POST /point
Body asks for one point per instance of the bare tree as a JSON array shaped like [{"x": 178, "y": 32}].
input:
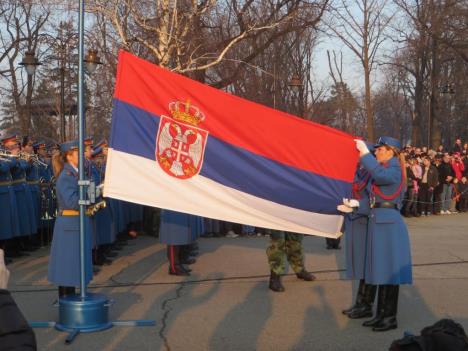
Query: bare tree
[
  {"x": 360, "y": 25},
  {"x": 23, "y": 22},
  {"x": 190, "y": 36}
]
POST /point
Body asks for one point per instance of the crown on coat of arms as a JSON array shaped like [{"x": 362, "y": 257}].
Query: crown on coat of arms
[{"x": 185, "y": 112}]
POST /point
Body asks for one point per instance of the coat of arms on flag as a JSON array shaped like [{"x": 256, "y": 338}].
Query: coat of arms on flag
[{"x": 180, "y": 143}]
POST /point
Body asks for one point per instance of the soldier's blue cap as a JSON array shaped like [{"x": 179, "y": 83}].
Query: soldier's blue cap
[
  {"x": 102, "y": 143},
  {"x": 389, "y": 141},
  {"x": 8, "y": 138},
  {"x": 69, "y": 145},
  {"x": 97, "y": 151},
  {"x": 39, "y": 145}
]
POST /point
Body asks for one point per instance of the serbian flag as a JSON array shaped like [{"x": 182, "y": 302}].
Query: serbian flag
[{"x": 181, "y": 145}]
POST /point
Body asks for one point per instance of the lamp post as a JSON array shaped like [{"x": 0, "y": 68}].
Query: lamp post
[
  {"x": 296, "y": 85},
  {"x": 446, "y": 89},
  {"x": 92, "y": 61},
  {"x": 30, "y": 63}
]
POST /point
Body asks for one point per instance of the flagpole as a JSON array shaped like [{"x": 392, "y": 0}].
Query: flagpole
[{"x": 81, "y": 132}]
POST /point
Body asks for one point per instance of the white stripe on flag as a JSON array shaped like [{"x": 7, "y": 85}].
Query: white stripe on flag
[{"x": 140, "y": 180}]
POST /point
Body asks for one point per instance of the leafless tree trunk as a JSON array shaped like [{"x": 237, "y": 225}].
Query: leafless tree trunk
[
  {"x": 23, "y": 22},
  {"x": 360, "y": 25}
]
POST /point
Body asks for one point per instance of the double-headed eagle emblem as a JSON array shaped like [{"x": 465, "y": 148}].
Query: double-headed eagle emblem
[{"x": 180, "y": 144}]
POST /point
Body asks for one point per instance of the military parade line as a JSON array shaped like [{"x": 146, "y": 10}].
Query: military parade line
[{"x": 39, "y": 194}]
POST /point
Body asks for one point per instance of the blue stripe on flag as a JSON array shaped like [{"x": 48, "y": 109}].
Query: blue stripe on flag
[{"x": 134, "y": 131}]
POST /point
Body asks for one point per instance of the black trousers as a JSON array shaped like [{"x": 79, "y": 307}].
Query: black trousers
[
  {"x": 463, "y": 204},
  {"x": 437, "y": 199},
  {"x": 424, "y": 198}
]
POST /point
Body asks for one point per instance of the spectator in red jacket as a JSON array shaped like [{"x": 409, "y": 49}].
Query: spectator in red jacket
[{"x": 458, "y": 166}]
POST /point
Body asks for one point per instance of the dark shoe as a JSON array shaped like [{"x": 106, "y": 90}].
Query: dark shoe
[
  {"x": 188, "y": 261},
  {"x": 386, "y": 324},
  {"x": 373, "y": 322},
  {"x": 363, "y": 311},
  {"x": 187, "y": 269},
  {"x": 390, "y": 308},
  {"x": 102, "y": 261},
  {"x": 178, "y": 270},
  {"x": 380, "y": 312},
  {"x": 348, "y": 310},
  {"x": 112, "y": 254},
  {"x": 359, "y": 298},
  {"x": 304, "y": 275},
  {"x": 275, "y": 283},
  {"x": 66, "y": 291}
]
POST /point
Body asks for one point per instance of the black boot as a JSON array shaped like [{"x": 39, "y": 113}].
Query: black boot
[
  {"x": 175, "y": 268},
  {"x": 275, "y": 282},
  {"x": 64, "y": 291},
  {"x": 379, "y": 313},
  {"x": 185, "y": 255},
  {"x": 99, "y": 259},
  {"x": 304, "y": 275},
  {"x": 389, "y": 321},
  {"x": 367, "y": 301},
  {"x": 359, "y": 298}
]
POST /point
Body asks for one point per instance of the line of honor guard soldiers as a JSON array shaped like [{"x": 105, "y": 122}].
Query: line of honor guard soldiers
[
  {"x": 29, "y": 205},
  {"x": 28, "y": 196}
]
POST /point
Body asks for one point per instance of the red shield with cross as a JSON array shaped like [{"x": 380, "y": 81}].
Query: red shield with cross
[{"x": 180, "y": 144}]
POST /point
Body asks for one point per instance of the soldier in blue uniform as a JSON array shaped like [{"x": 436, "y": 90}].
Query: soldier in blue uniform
[
  {"x": 8, "y": 214},
  {"x": 64, "y": 261},
  {"x": 104, "y": 218},
  {"x": 32, "y": 180},
  {"x": 177, "y": 230},
  {"x": 355, "y": 235},
  {"x": 47, "y": 208},
  {"x": 388, "y": 255},
  {"x": 22, "y": 191},
  {"x": 101, "y": 222}
]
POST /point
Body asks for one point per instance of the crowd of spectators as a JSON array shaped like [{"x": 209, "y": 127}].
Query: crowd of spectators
[
  {"x": 436, "y": 180},
  {"x": 437, "y": 184}
]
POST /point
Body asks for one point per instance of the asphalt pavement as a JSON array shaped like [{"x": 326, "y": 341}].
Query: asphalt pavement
[{"x": 226, "y": 305}]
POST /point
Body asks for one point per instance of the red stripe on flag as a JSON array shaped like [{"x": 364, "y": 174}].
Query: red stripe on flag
[{"x": 267, "y": 132}]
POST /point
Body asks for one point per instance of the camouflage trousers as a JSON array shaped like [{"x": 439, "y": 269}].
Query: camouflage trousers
[{"x": 284, "y": 245}]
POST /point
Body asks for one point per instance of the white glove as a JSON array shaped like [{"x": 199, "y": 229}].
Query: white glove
[
  {"x": 351, "y": 202},
  {"x": 362, "y": 147},
  {"x": 4, "y": 272},
  {"x": 344, "y": 209}
]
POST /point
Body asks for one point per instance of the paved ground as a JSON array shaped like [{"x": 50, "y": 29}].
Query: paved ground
[{"x": 226, "y": 305}]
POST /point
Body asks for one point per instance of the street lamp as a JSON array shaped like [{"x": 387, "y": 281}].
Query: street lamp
[
  {"x": 30, "y": 62},
  {"x": 295, "y": 84},
  {"x": 92, "y": 60}
]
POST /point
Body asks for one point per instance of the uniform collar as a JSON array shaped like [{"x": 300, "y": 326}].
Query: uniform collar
[{"x": 71, "y": 168}]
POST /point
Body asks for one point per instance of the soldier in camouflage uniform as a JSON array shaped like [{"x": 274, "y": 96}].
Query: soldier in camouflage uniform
[{"x": 285, "y": 245}]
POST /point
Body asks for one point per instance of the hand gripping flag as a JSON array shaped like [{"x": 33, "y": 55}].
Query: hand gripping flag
[{"x": 181, "y": 145}]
